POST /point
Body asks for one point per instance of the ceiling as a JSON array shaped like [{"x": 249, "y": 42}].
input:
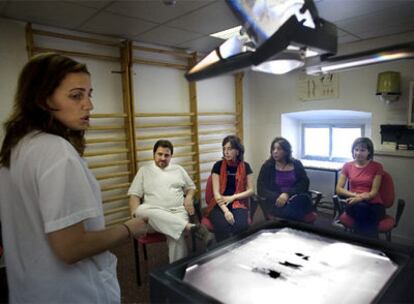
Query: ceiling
[{"x": 188, "y": 23}]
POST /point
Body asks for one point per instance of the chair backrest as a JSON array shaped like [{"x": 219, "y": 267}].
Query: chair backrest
[
  {"x": 386, "y": 190},
  {"x": 209, "y": 194}
]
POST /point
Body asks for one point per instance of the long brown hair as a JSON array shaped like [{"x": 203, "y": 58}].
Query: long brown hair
[
  {"x": 38, "y": 80},
  {"x": 285, "y": 145}
]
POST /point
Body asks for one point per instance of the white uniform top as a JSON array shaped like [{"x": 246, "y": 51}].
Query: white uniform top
[
  {"x": 161, "y": 187},
  {"x": 49, "y": 187}
]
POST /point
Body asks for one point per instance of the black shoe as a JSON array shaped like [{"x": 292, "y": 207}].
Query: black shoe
[{"x": 202, "y": 233}]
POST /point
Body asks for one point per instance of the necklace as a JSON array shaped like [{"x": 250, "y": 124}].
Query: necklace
[{"x": 280, "y": 166}]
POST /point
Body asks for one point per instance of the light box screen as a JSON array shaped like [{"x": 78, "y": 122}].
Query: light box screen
[{"x": 292, "y": 266}]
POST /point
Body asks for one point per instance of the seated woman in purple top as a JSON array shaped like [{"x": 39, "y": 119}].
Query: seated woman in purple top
[{"x": 283, "y": 183}]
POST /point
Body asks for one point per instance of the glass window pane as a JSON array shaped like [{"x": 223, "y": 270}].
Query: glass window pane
[
  {"x": 342, "y": 139},
  {"x": 316, "y": 142}
]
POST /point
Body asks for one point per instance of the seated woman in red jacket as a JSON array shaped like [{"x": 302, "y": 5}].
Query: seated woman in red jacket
[
  {"x": 364, "y": 175},
  {"x": 232, "y": 184},
  {"x": 283, "y": 183}
]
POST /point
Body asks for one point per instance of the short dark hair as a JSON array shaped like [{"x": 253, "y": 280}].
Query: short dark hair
[
  {"x": 164, "y": 144},
  {"x": 236, "y": 144},
  {"x": 366, "y": 142},
  {"x": 286, "y": 146}
]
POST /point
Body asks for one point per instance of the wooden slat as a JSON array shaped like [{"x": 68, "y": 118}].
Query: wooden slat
[
  {"x": 216, "y": 113},
  {"x": 160, "y": 63},
  {"x": 164, "y": 125},
  {"x": 162, "y": 51},
  {"x": 186, "y": 164},
  {"x": 165, "y": 135},
  {"x": 76, "y": 38},
  {"x": 76, "y": 54},
  {"x": 216, "y": 123},
  {"x": 105, "y": 164},
  {"x": 109, "y": 115},
  {"x": 209, "y": 142},
  {"x": 206, "y": 132},
  {"x": 238, "y": 84},
  {"x": 116, "y": 210},
  {"x": 106, "y": 128},
  {"x": 117, "y": 221},
  {"x": 105, "y": 152},
  {"x": 115, "y": 198},
  {"x": 205, "y": 151},
  {"x": 149, "y": 148},
  {"x": 112, "y": 175},
  {"x": 163, "y": 114},
  {"x": 105, "y": 140},
  {"x": 116, "y": 186},
  {"x": 29, "y": 40}
]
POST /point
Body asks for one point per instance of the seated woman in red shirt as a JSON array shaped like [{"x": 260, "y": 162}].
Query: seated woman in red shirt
[{"x": 364, "y": 176}]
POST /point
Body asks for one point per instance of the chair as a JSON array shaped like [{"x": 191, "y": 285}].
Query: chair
[
  {"x": 309, "y": 218},
  {"x": 387, "y": 193},
  {"x": 152, "y": 238}
]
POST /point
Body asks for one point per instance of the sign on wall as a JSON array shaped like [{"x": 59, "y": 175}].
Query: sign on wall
[{"x": 318, "y": 87}]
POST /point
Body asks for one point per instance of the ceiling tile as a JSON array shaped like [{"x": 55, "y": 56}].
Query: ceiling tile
[
  {"x": 207, "y": 20},
  {"x": 155, "y": 10},
  {"x": 167, "y": 36},
  {"x": 204, "y": 45},
  {"x": 398, "y": 18},
  {"x": 65, "y": 15},
  {"x": 94, "y": 4},
  {"x": 334, "y": 10},
  {"x": 113, "y": 24}
]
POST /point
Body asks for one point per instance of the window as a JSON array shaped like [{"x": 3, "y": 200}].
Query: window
[{"x": 329, "y": 142}]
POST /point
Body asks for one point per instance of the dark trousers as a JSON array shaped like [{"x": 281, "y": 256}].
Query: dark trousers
[
  {"x": 295, "y": 209},
  {"x": 222, "y": 229},
  {"x": 366, "y": 217}
]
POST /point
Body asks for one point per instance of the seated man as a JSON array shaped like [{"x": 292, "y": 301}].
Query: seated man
[{"x": 166, "y": 192}]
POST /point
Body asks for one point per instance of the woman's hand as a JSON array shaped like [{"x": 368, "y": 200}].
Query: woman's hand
[
  {"x": 281, "y": 200},
  {"x": 225, "y": 200},
  {"x": 137, "y": 226},
  {"x": 354, "y": 199},
  {"x": 229, "y": 217},
  {"x": 365, "y": 196}
]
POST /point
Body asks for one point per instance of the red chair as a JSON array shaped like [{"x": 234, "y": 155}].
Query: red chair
[
  {"x": 388, "y": 223},
  {"x": 152, "y": 238}
]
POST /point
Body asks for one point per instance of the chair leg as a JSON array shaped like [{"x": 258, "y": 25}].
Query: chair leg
[
  {"x": 144, "y": 247},
  {"x": 137, "y": 266},
  {"x": 194, "y": 243},
  {"x": 388, "y": 236}
]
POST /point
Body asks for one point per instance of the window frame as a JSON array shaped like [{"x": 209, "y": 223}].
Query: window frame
[{"x": 331, "y": 126}]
